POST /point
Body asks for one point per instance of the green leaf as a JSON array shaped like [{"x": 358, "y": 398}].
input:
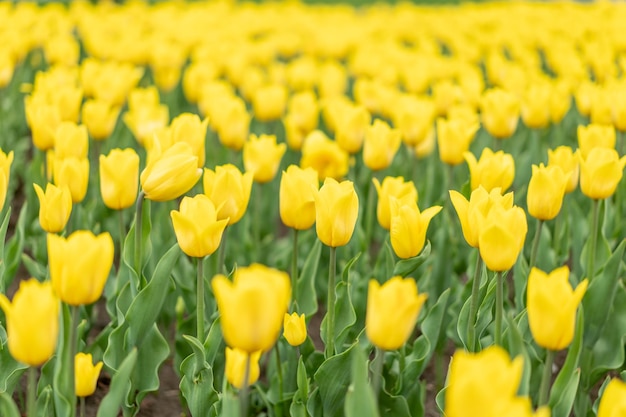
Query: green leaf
[
  {"x": 298, "y": 403},
  {"x": 34, "y": 268},
  {"x": 517, "y": 347},
  {"x": 8, "y": 408},
  {"x": 307, "y": 296},
  {"x": 153, "y": 351},
  {"x": 383, "y": 269},
  {"x": 196, "y": 383},
  {"x": 3, "y": 234},
  {"x": 45, "y": 403},
  {"x": 63, "y": 390},
  {"x": 360, "y": 401},
  {"x": 14, "y": 249},
  {"x": 10, "y": 370},
  {"x": 120, "y": 385},
  {"x": 129, "y": 246},
  {"x": 213, "y": 342},
  {"x": 405, "y": 267},
  {"x": 333, "y": 378},
  {"x": 603, "y": 249}
]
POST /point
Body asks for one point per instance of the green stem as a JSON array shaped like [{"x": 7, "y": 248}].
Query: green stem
[
  {"x": 499, "y": 307},
  {"x": 71, "y": 354},
  {"x": 330, "y": 305},
  {"x": 31, "y": 392},
  {"x": 256, "y": 221},
  {"x": 122, "y": 231},
  {"x": 200, "y": 301},
  {"x": 471, "y": 324},
  {"x": 221, "y": 254},
  {"x": 279, "y": 369},
  {"x": 138, "y": 240},
  {"x": 82, "y": 406},
  {"x": 535, "y": 247},
  {"x": 546, "y": 378},
  {"x": 244, "y": 394},
  {"x": 294, "y": 267},
  {"x": 591, "y": 255},
  {"x": 377, "y": 371},
  {"x": 369, "y": 213}
]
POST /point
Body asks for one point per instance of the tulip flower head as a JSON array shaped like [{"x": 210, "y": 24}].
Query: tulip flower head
[
  {"x": 546, "y": 191},
  {"x": 381, "y": 145},
  {"x": 6, "y": 160},
  {"x": 500, "y": 113},
  {"x": 189, "y": 128},
  {"x": 324, "y": 155},
  {"x": 100, "y": 118},
  {"x": 336, "y": 212},
  {"x": 55, "y": 207},
  {"x": 501, "y": 237},
  {"x": 236, "y": 367},
  {"x": 492, "y": 170},
  {"x": 297, "y": 197},
  {"x": 86, "y": 374},
  {"x": 392, "y": 187},
  {"x": 595, "y": 136},
  {"x": 261, "y": 157},
  {"x": 294, "y": 329},
  {"x": 567, "y": 159},
  {"x": 535, "y": 106},
  {"x": 600, "y": 172},
  {"x": 72, "y": 173},
  {"x": 71, "y": 140},
  {"x": 454, "y": 137},
  {"x": 269, "y": 102},
  {"x": 613, "y": 401},
  {"x": 352, "y": 125},
  {"x": 408, "y": 227},
  {"x": 119, "y": 178},
  {"x": 229, "y": 190}
]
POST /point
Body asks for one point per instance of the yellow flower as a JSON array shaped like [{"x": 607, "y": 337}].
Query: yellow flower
[
  {"x": 100, "y": 118},
  {"x": 324, "y": 155},
  {"x": 79, "y": 265},
  {"x": 235, "y": 367},
  {"x": 294, "y": 329},
  {"x": 297, "y": 197},
  {"x": 352, "y": 124},
  {"x": 55, "y": 207},
  {"x": 303, "y": 109},
  {"x": 560, "y": 101},
  {"x": 144, "y": 121},
  {"x": 72, "y": 173},
  {"x": 454, "y": 137},
  {"x": 189, "y": 128},
  {"x": 552, "y": 305},
  {"x": 601, "y": 172},
  {"x": 408, "y": 227},
  {"x": 261, "y": 157},
  {"x": 119, "y": 178},
  {"x": 234, "y": 125},
  {"x": 392, "y": 311},
  {"x": 43, "y": 119},
  {"x": 86, "y": 374},
  {"x": 392, "y": 187},
  {"x": 229, "y": 190},
  {"x": 414, "y": 117},
  {"x": 32, "y": 322},
  {"x": 252, "y": 306},
  {"x": 427, "y": 146},
  {"x": 500, "y": 112},
  {"x": 546, "y": 191},
  {"x": 492, "y": 170},
  {"x": 567, "y": 159},
  {"x": 613, "y": 402},
  {"x": 71, "y": 140},
  {"x": 501, "y": 237},
  {"x": 380, "y": 145},
  {"x": 171, "y": 174},
  {"x": 6, "y": 160},
  {"x": 7, "y": 65},
  {"x": 336, "y": 212},
  {"x": 197, "y": 229},
  {"x": 269, "y": 102},
  {"x": 595, "y": 136},
  {"x": 473, "y": 212},
  {"x": 536, "y": 105}
]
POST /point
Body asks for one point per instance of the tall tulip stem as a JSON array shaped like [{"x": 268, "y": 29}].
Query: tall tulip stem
[
  {"x": 244, "y": 394},
  {"x": 544, "y": 388},
  {"x": 221, "y": 254},
  {"x": 31, "y": 392},
  {"x": 471, "y": 324},
  {"x": 82, "y": 406},
  {"x": 330, "y": 305},
  {"x": 279, "y": 370},
  {"x": 122, "y": 231},
  {"x": 369, "y": 213},
  {"x": 535, "y": 247},
  {"x": 294, "y": 267},
  {"x": 377, "y": 371},
  {"x": 591, "y": 253},
  {"x": 70, "y": 352},
  {"x": 200, "y": 301},
  {"x": 499, "y": 307},
  {"x": 138, "y": 233}
]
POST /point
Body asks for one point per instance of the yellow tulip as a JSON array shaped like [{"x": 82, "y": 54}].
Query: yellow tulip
[
  {"x": 71, "y": 140},
  {"x": 546, "y": 191},
  {"x": 567, "y": 159},
  {"x": 324, "y": 155},
  {"x": 235, "y": 367},
  {"x": 269, "y": 102},
  {"x": 303, "y": 108},
  {"x": 613, "y": 401},
  {"x": 454, "y": 137},
  {"x": 560, "y": 101},
  {"x": 601, "y": 107},
  {"x": 297, "y": 197},
  {"x": 261, "y": 157},
  {"x": 43, "y": 119},
  {"x": 392, "y": 311},
  {"x": 32, "y": 322},
  {"x": 351, "y": 127},
  {"x": 500, "y": 112},
  {"x": 189, "y": 128},
  {"x": 294, "y": 329},
  {"x": 72, "y": 173},
  {"x": 427, "y": 146},
  {"x": 171, "y": 174},
  {"x": 85, "y": 374},
  {"x": 6, "y": 160},
  {"x": 408, "y": 227},
  {"x": 552, "y": 305},
  {"x": 492, "y": 170},
  {"x": 79, "y": 265},
  {"x": 55, "y": 207},
  {"x": 600, "y": 172},
  {"x": 618, "y": 113},
  {"x": 294, "y": 135},
  {"x": 336, "y": 212},
  {"x": 100, "y": 118},
  {"x": 535, "y": 106},
  {"x": 414, "y": 117},
  {"x": 252, "y": 306},
  {"x": 229, "y": 190},
  {"x": 501, "y": 237},
  {"x": 234, "y": 125},
  {"x": 7, "y": 65},
  {"x": 197, "y": 229},
  {"x": 392, "y": 187},
  {"x": 595, "y": 136},
  {"x": 144, "y": 121},
  {"x": 380, "y": 145},
  {"x": 119, "y": 178}
]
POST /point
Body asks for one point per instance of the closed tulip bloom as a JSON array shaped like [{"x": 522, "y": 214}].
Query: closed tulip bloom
[
  {"x": 100, "y": 118},
  {"x": 297, "y": 197},
  {"x": 197, "y": 229},
  {"x": 234, "y": 126},
  {"x": 85, "y": 374},
  {"x": 500, "y": 112},
  {"x": 72, "y": 173},
  {"x": 189, "y": 128},
  {"x": 229, "y": 190},
  {"x": 325, "y": 156},
  {"x": 43, "y": 119},
  {"x": 560, "y": 101},
  {"x": 6, "y": 160},
  {"x": 235, "y": 367},
  {"x": 454, "y": 137},
  {"x": 79, "y": 265},
  {"x": 414, "y": 117},
  {"x": 119, "y": 178},
  {"x": 71, "y": 140},
  {"x": 408, "y": 227},
  {"x": 294, "y": 329},
  {"x": 472, "y": 212},
  {"x": 144, "y": 121},
  {"x": 304, "y": 109},
  {"x": 600, "y": 173},
  {"x": 595, "y": 136},
  {"x": 351, "y": 127},
  {"x": 380, "y": 145},
  {"x": 613, "y": 401},
  {"x": 535, "y": 107},
  {"x": 567, "y": 159},
  {"x": 392, "y": 187},
  {"x": 426, "y": 147},
  {"x": 261, "y": 157},
  {"x": 336, "y": 212},
  {"x": 55, "y": 207},
  {"x": 32, "y": 322},
  {"x": 492, "y": 170},
  {"x": 392, "y": 311},
  {"x": 546, "y": 191},
  {"x": 552, "y": 305},
  {"x": 501, "y": 237},
  {"x": 269, "y": 102},
  {"x": 172, "y": 174},
  {"x": 252, "y": 306}
]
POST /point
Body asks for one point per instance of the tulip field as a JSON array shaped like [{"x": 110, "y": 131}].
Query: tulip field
[{"x": 221, "y": 208}]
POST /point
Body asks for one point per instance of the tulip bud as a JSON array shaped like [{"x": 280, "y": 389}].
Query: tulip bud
[
  {"x": 536, "y": 105},
  {"x": 80, "y": 265},
  {"x": 234, "y": 125},
  {"x": 100, "y": 118},
  {"x": 501, "y": 237},
  {"x": 492, "y": 170},
  {"x": 304, "y": 109},
  {"x": 119, "y": 178},
  {"x": 72, "y": 173},
  {"x": 545, "y": 191},
  {"x": 380, "y": 146},
  {"x": 613, "y": 401},
  {"x": 567, "y": 159},
  {"x": 261, "y": 157},
  {"x": 85, "y": 374},
  {"x": 269, "y": 102},
  {"x": 55, "y": 207},
  {"x": 595, "y": 136},
  {"x": 414, "y": 117},
  {"x": 236, "y": 367},
  {"x": 189, "y": 128},
  {"x": 336, "y": 212},
  {"x": 71, "y": 140},
  {"x": 392, "y": 187},
  {"x": 408, "y": 227},
  {"x": 297, "y": 197},
  {"x": 351, "y": 127},
  {"x": 600, "y": 172},
  {"x": 454, "y": 137},
  {"x": 229, "y": 190},
  {"x": 294, "y": 329},
  {"x": 324, "y": 155},
  {"x": 392, "y": 311},
  {"x": 144, "y": 121},
  {"x": 500, "y": 113},
  {"x": 32, "y": 322},
  {"x": 43, "y": 119},
  {"x": 6, "y": 160}
]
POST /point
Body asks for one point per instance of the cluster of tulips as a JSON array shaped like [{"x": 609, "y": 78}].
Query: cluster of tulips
[{"x": 232, "y": 129}]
